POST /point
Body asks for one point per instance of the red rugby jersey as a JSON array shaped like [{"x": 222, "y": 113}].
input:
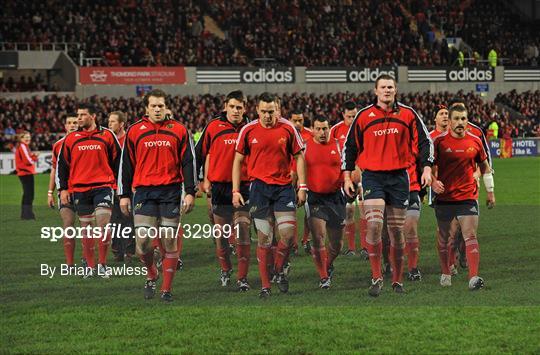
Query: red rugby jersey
[
  {"x": 157, "y": 154},
  {"x": 121, "y": 140},
  {"x": 477, "y": 131},
  {"x": 456, "y": 160},
  {"x": 219, "y": 140},
  {"x": 434, "y": 134},
  {"x": 382, "y": 140},
  {"x": 339, "y": 131},
  {"x": 306, "y": 134},
  {"x": 88, "y": 160},
  {"x": 323, "y": 166},
  {"x": 269, "y": 151},
  {"x": 25, "y": 160},
  {"x": 56, "y": 151}
]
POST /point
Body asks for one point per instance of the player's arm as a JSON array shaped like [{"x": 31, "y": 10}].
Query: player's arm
[
  {"x": 425, "y": 150},
  {"x": 207, "y": 185},
  {"x": 489, "y": 183},
  {"x": 189, "y": 172},
  {"x": 62, "y": 172},
  {"x": 52, "y": 185},
  {"x": 301, "y": 174},
  {"x": 125, "y": 175},
  {"x": 351, "y": 149},
  {"x": 237, "y": 199},
  {"x": 202, "y": 149}
]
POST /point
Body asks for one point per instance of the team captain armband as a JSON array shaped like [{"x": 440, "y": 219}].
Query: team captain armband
[{"x": 489, "y": 183}]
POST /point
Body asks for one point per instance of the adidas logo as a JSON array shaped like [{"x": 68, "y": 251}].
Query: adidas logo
[
  {"x": 77, "y": 135},
  {"x": 107, "y": 198},
  {"x": 406, "y": 203},
  {"x": 342, "y": 136},
  {"x": 448, "y": 150},
  {"x": 143, "y": 127},
  {"x": 291, "y": 204},
  {"x": 415, "y": 205},
  {"x": 333, "y": 152},
  {"x": 371, "y": 114},
  {"x": 254, "y": 141},
  {"x": 473, "y": 209}
]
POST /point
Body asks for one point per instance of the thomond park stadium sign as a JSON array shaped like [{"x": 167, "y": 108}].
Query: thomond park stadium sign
[
  {"x": 348, "y": 75},
  {"x": 278, "y": 75}
]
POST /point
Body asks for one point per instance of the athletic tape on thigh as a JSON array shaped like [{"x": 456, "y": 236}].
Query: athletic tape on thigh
[
  {"x": 284, "y": 222},
  {"x": 375, "y": 215},
  {"x": 392, "y": 222},
  {"x": 413, "y": 213},
  {"x": 168, "y": 223},
  {"x": 102, "y": 211},
  {"x": 263, "y": 226},
  {"x": 86, "y": 218}
]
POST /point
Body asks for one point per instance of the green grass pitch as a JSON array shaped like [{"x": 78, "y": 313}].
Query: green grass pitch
[{"x": 71, "y": 315}]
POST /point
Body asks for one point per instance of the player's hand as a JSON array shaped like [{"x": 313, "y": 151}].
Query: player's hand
[
  {"x": 50, "y": 201},
  {"x": 206, "y": 186},
  {"x": 426, "y": 179},
  {"x": 237, "y": 200},
  {"x": 490, "y": 200},
  {"x": 64, "y": 197},
  {"x": 348, "y": 187},
  {"x": 437, "y": 186},
  {"x": 188, "y": 204},
  {"x": 125, "y": 206},
  {"x": 301, "y": 197}
]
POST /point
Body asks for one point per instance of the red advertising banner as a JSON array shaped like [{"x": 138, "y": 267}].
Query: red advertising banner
[{"x": 132, "y": 75}]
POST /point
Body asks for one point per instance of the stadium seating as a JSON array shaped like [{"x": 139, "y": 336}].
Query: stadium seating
[
  {"x": 301, "y": 33},
  {"x": 43, "y": 117}
]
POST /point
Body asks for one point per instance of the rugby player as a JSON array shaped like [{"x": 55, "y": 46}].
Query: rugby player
[
  {"x": 297, "y": 119},
  {"x": 325, "y": 206},
  {"x": 121, "y": 248},
  {"x": 457, "y": 154},
  {"x": 382, "y": 139},
  {"x": 269, "y": 144},
  {"x": 457, "y": 245},
  {"x": 339, "y": 131},
  {"x": 215, "y": 151},
  {"x": 67, "y": 212},
  {"x": 157, "y": 160},
  {"x": 86, "y": 174}
]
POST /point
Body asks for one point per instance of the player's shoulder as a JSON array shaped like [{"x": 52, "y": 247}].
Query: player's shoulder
[
  {"x": 59, "y": 142},
  {"x": 285, "y": 123},
  {"x": 475, "y": 129},
  {"x": 406, "y": 109},
  {"x": 441, "y": 137},
  {"x": 473, "y": 137}
]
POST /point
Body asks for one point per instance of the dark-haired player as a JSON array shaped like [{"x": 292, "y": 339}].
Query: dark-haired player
[
  {"x": 297, "y": 119},
  {"x": 215, "y": 152},
  {"x": 269, "y": 144},
  {"x": 325, "y": 206},
  {"x": 87, "y": 167},
  {"x": 157, "y": 160},
  {"x": 67, "y": 212},
  {"x": 457, "y": 154},
  {"x": 339, "y": 131}
]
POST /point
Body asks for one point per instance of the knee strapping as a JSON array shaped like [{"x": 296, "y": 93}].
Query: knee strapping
[
  {"x": 375, "y": 215},
  {"x": 285, "y": 222},
  {"x": 100, "y": 211}
]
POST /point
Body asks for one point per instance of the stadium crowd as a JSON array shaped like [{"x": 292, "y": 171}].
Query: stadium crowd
[
  {"x": 43, "y": 117},
  {"x": 344, "y": 33}
]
